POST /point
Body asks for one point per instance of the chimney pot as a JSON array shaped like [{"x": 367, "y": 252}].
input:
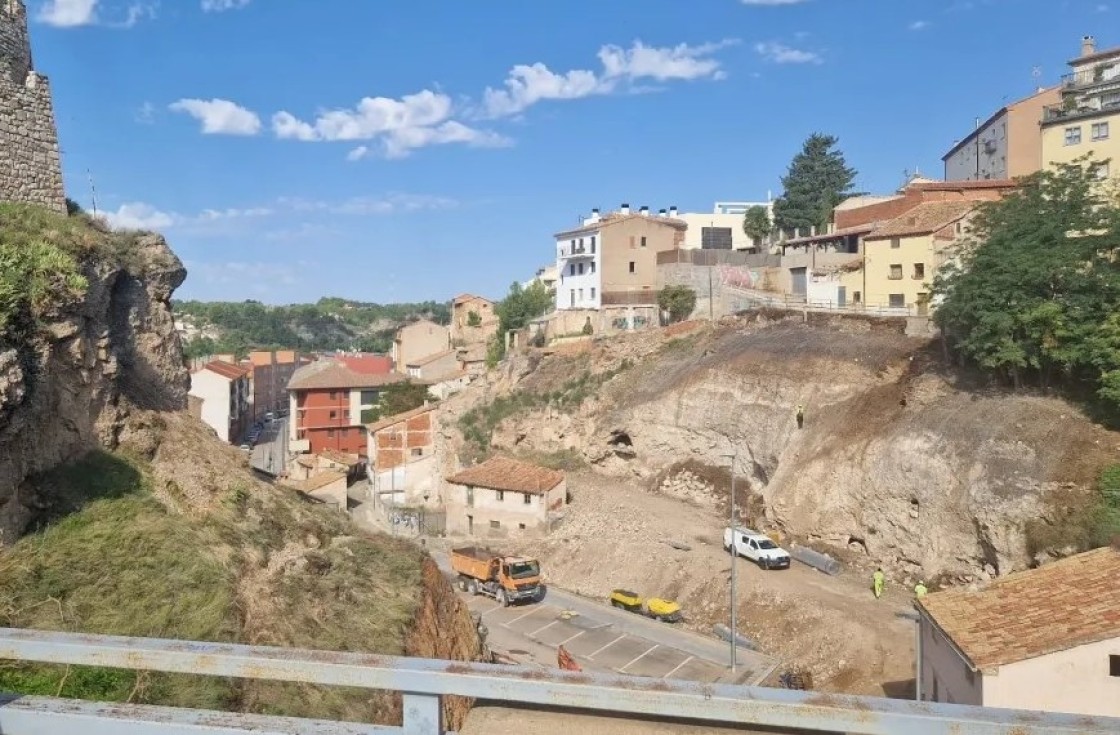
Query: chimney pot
[
  {"x": 624, "y": 209},
  {"x": 644, "y": 211},
  {"x": 1088, "y": 46},
  {"x": 661, "y": 213}
]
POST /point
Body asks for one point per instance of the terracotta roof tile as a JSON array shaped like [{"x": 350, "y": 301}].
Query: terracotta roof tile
[
  {"x": 226, "y": 369},
  {"x": 842, "y": 232},
  {"x": 1055, "y": 607},
  {"x": 327, "y": 374},
  {"x": 334, "y": 455},
  {"x": 464, "y": 297},
  {"x": 504, "y": 473},
  {"x": 959, "y": 185},
  {"x": 320, "y": 481},
  {"x": 925, "y": 218},
  {"x": 396, "y": 419}
]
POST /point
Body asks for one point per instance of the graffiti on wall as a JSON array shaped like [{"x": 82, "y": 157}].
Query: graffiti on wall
[
  {"x": 623, "y": 323},
  {"x": 739, "y": 276}
]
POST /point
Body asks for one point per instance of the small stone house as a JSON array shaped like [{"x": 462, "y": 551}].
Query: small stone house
[
  {"x": 504, "y": 497},
  {"x": 402, "y": 459},
  {"x": 327, "y": 487}
]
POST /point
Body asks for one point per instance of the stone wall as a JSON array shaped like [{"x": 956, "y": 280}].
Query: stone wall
[{"x": 30, "y": 169}]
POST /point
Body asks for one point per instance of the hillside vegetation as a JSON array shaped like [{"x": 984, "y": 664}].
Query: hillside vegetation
[{"x": 329, "y": 324}]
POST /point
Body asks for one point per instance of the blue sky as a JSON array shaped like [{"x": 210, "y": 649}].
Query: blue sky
[{"x": 390, "y": 151}]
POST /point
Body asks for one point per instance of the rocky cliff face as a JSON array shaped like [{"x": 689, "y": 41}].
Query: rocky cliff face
[
  {"x": 72, "y": 388},
  {"x": 898, "y": 461}
]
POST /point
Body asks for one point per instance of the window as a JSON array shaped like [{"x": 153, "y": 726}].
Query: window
[
  {"x": 528, "y": 499},
  {"x": 643, "y": 241},
  {"x": 501, "y": 495},
  {"x": 632, "y": 268},
  {"x": 857, "y": 297},
  {"x": 572, "y": 269},
  {"x": 593, "y": 266},
  {"x": 346, "y": 413},
  {"x": 573, "y": 243},
  {"x": 334, "y": 414},
  {"x": 897, "y": 300},
  {"x": 334, "y": 395},
  {"x": 1100, "y": 170},
  {"x": 470, "y": 496},
  {"x": 896, "y": 272},
  {"x": 581, "y": 294},
  {"x": 919, "y": 271},
  {"x": 715, "y": 238},
  {"x": 369, "y": 397},
  {"x": 417, "y": 452},
  {"x": 1099, "y": 131},
  {"x": 330, "y": 433},
  {"x": 581, "y": 269},
  {"x": 592, "y": 244},
  {"x": 581, "y": 242},
  {"x": 495, "y": 524},
  {"x": 572, "y": 296},
  {"x": 895, "y": 243},
  {"x": 1073, "y": 135},
  {"x": 1114, "y": 665},
  {"x": 521, "y": 526},
  {"x": 345, "y": 433},
  {"x": 592, "y": 292}
]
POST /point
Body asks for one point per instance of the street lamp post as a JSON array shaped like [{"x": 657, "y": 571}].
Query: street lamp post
[{"x": 734, "y": 558}]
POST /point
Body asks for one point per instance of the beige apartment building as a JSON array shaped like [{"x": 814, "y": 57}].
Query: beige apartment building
[
  {"x": 1044, "y": 639},
  {"x": 1005, "y": 146},
  {"x": 611, "y": 260},
  {"x": 504, "y": 497},
  {"x": 1087, "y": 120},
  {"x": 419, "y": 340}
]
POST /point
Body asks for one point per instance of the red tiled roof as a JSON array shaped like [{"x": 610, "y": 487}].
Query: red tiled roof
[
  {"x": 334, "y": 455},
  {"x": 1058, "y": 606},
  {"x": 226, "y": 369},
  {"x": 320, "y": 481},
  {"x": 925, "y": 218},
  {"x": 614, "y": 218},
  {"x": 464, "y": 297},
  {"x": 504, "y": 473},
  {"x": 330, "y": 374},
  {"x": 396, "y": 419},
  {"x": 959, "y": 185},
  {"x": 367, "y": 364}
]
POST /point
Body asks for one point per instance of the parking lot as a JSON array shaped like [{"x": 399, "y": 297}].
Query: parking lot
[{"x": 597, "y": 643}]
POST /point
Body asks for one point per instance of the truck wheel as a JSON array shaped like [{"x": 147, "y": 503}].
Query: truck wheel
[
  {"x": 763, "y": 564},
  {"x": 472, "y": 587},
  {"x": 462, "y": 584},
  {"x": 503, "y": 600}
]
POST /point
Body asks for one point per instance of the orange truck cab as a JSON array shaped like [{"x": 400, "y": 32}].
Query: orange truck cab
[{"x": 507, "y": 579}]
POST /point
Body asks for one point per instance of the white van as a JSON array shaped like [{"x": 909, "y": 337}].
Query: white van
[{"x": 757, "y": 547}]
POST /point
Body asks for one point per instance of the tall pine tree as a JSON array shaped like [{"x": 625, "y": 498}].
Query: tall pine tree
[{"x": 818, "y": 179}]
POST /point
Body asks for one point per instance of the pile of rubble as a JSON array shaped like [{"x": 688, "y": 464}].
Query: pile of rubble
[{"x": 687, "y": 486}]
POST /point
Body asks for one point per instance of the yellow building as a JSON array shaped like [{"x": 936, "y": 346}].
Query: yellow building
[
  {"x": 1087, "y": 121},
  {"x": 902, "y": 257}
]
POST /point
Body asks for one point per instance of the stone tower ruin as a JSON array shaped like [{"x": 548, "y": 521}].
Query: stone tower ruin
[{"x": 30, "y": 170}]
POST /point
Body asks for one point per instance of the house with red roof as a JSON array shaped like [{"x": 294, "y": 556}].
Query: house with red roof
[{"x": 222, "y": 388}]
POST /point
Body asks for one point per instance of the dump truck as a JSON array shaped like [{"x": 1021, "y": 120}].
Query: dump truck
[
  {"x": 507, "y": 579},
  {"x": 655, "y": 607}
]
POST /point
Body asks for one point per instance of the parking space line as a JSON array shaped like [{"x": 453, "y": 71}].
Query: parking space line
[
  {"x": 678, "y": 667},
  {"x": 639, "y": 658},
  {"x": 522, "y": 617},
  {"x": 616, "y": 640},
  {"x": 546, "y": 626},
  {"x": 490, "y": 610},
  {"x": 566, "y": 641}
]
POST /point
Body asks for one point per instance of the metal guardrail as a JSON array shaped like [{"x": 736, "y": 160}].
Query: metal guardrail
[{"x": 423, "y": 682}]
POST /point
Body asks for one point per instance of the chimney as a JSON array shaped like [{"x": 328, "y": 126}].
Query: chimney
[
  {"x": 594, "y": 215},
  {"x": 673, "y": 211},
  {"x": 661, "y": 213},
  {"x": 1088, "y": 46},
  {"x": 644, "y": 211},
  {"x": 624, "y": 209}
]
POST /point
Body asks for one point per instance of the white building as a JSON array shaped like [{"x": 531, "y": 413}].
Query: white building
[
  {"x": 223, "y": 389},
  {"x": 722, "y": 228}
]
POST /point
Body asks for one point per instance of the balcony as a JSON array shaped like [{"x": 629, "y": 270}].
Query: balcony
[
  {"x": 1054, "y": 113},
  {"x": 424, "y": 682},
  {"x": 579, "y": 251},
  {"x": 1102, "y": 74}
]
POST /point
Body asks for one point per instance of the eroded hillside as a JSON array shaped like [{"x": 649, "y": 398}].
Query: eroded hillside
[{"x": 901, "y": 461}]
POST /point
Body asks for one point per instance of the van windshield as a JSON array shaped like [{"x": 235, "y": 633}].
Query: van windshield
[{"x": 524, "y": 569}]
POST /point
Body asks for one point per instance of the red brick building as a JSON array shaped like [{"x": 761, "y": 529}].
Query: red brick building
[
  {"x": 326, "y": 400},
  {"x": 402, "y": 461}
]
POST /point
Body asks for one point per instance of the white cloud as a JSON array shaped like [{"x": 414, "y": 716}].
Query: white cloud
[
  {"x": 68, "y": 13},
  {"x": 400, "y": 125},
  {"x": 919, "y": 25},
  {"x": 146, "y": 114},
  {"x": 773, "y": 2},
  {"x": 365, "y": 206},
  {"x": 779, "y": 53},
  {"x": 528, "y": 84},
  {"x": 138, "y": 216},
  {"x": 219, "y": 6},
  {"x": 220, "y": 116}
]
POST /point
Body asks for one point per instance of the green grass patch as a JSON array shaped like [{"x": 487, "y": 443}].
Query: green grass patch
[{"x": 1083, "y": 523}]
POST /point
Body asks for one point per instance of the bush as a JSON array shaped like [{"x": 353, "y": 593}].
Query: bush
[
  {"x": 587, "y": 329},
  {"x": 1084, "y": 523},
  {"x": 679, "y": 301}
]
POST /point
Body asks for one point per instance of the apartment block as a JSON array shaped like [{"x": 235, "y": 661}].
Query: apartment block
[
  {"x": 270, "y": 371},
  {"x": 1007, "y": 145},
  {"x": 611, "y": 260},
  {"x": 223, "y": 390},
  {"x": 1087, "y": 120}
]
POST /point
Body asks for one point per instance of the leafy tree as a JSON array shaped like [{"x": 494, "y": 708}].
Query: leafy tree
[
  {"x": 679, "y": 301},
  {"x": 756, "y": 224},
  {"x": 515, "y": 311},
  {"x": 588, "y": 330},
  {"x": 73, "y": 208},
  {"x": 1035, "y": 295},
  {"x": 473, "y": 319},
  {"x": 817, "y": 180}
]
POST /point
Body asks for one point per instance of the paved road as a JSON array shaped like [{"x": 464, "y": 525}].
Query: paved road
[
  {"x": 604, "y": 639},
  {"x": 270, "y": 455}
]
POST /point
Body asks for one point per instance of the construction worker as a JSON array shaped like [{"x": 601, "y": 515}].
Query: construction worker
[
  {"x": 920, "y": 589},
  {"x": 800, "y": 416},
  {"x": 878, "y": 581}
]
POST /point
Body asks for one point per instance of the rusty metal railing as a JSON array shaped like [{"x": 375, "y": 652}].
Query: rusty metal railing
[{"x": 423, "y": 682}]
